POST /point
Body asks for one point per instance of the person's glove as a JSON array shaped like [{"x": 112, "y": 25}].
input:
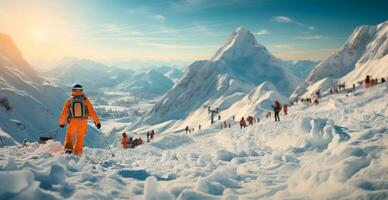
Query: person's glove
[
  {"x": 62, "y": 125},
  {"x": 98, "y": 126}
]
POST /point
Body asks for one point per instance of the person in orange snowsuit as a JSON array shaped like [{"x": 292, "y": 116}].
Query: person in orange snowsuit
[
  {"x": 76, "y": 112},
  {"x": 285, "y": 109}
]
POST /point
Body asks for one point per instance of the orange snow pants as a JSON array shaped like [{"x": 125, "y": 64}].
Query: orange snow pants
[{"x": 79, "y": 127}]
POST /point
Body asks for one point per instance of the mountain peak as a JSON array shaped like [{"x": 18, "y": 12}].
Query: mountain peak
[{"x": 242, "y": 41}]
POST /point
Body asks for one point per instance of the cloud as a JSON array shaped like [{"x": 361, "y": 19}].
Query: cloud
[
  {"x": 313, "y": 37},
  {"x": 159, "y": 18},
  {"x": 311, "y": 28},
  {"x": 284, "y": 19},
  {"x": 263, "y": 32},
  {"x": 282, "y": 46}
]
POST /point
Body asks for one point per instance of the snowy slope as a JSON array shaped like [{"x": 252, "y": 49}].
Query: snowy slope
[
  {"x": 364, "y": 53},
  {"x": 147, "y": 84},
  {"x": 36, "y": 102},
  {"x": 170, "y": 72},
  {"x": 235, "y": 70},
  {"x": 336, "y": 150}
]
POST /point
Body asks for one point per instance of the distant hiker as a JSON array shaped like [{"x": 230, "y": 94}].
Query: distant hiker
[
  {"x": 243, "y": 124},
  {"x": 233, "y": 117},
  {"x": 258, "y": 120},
  {"x": 318, "y": 93},
  {"x": 277, "y": 108},
  {"x": 268, "y": 115},
  {"x": 219, "y": 117},
  {"x": 199, "y": 127},
  {"x": 316, "y": 101},
  {"x": 124, "y": 141},
  {"x": 354, "y": 88},
  {"x": 285, "y": 109},
  {"x": 76, "y": 112},
  {"x": 148, "y": 137},
  {"x": 131, "y": 143},
  {"x": 225, "y": 124},
  {"x": 367, "y": 81},
  {"x": 383, "y": 80},
  {"x": 229, "y": 125},
  {"x": 331, "y": 90},
  {"x": 187, "y": 129},
  {"x": 25, "y": 141},
  {"x": 250, "y": 120},
  {"x": 152, "y": 134}
]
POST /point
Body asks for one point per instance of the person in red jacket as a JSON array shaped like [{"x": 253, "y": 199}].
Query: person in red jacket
[
  {"x": 124, "y": 141},
  {"x": 285, "y": 109},
  {"x": 76, "y": 112}
]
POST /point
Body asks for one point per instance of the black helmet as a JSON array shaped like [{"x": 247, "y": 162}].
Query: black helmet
[{"x": 77, "y": 87}]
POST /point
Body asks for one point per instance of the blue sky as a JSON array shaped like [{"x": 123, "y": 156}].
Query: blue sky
[{"x": 181, "y": 31}]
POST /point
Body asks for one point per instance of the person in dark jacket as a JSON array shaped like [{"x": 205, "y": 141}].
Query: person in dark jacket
[{"x": 277, "y": 107}]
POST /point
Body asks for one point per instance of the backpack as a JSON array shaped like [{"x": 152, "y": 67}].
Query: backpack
[{"x": 78, "y": 108}]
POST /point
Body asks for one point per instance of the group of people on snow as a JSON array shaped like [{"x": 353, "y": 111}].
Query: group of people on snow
[{"x": 129, "y": 142}]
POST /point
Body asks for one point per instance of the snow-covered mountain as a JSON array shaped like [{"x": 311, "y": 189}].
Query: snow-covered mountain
[
  {"x": 256, "y": 103},
  {"x": 233, "y": 72},
  {"x": 147, "y": 84},
  {"x": 170, "y": 72},
  {"x": 302, "y": 68},
  {"x": 30, "y": 104},
  {"x": 364, "y": 53},
  {"x": 70, "y": 71}
]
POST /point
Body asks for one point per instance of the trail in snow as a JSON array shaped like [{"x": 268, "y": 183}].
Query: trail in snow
[{"x": 337, "y": 149}]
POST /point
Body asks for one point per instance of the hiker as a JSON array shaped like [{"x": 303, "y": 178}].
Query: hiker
[
  {"x": 76, "y": 112},
  {"x": 316, "y": 101},
  {"x": 199, "y": 127},
  {"x": 285, "y": 109},
  {"x": 124, "y": 141},
  {"x": 276, "y": 108},
  {"x": 131, "y": 143},
  {"x": 383, "y": 80},
  {"x": 367, "y": 81},
  {"x": 250, "y": 120},
  {"x": 148, "y": 137},
  {"x": 187, "y": 129},
  {"x": 233, "y": 117},
  {"x": 243, "y": 124},
  {"x": 268, "y": 115},
  {"x": 229, "y": 125},
  {"x": 354, "y": 88},
  {"x": 25, "y": 141},
  {"x": 225, "y": 124},
  {"x": 219, "y": 117},
  {"x": 258, "y": 120},
  {"x": 318, "y": 93},
  {"x": 152, "y": 134}
]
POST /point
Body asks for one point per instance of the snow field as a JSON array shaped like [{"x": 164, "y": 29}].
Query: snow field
[{"x": 336, "y": 149}]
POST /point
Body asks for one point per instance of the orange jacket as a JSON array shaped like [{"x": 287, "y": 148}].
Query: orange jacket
[{"x": 66, "y": 111}]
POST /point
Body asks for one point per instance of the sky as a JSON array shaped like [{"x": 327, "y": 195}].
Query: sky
[{"x": 180, "y": 31}]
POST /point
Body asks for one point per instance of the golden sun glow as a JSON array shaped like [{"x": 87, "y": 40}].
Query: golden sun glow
[{"x": 39, "y": 35}]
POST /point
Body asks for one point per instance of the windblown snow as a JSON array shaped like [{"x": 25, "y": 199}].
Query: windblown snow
[{"x": 334, "y": 150}]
